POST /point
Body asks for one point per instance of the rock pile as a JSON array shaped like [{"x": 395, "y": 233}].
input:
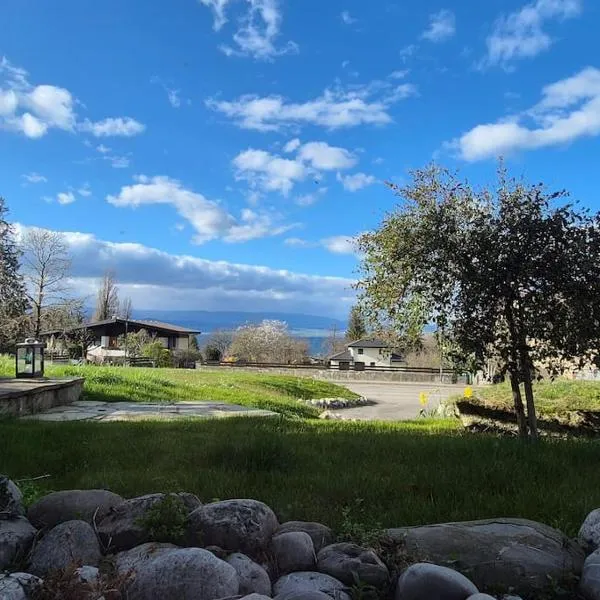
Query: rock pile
[
  {"x": 108, "y": 547},
  {"x": 329, "y": 403}
]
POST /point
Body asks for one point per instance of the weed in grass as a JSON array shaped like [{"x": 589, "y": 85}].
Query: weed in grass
[
  {"x": 165, "y": 521},
  {"x": 32, "y": 492},
  {"x": 359, "y": 526},
  {"x": 361, "y": 590}
]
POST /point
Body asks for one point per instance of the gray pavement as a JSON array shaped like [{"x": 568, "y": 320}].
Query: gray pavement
[{"x": 396, "y": 401}]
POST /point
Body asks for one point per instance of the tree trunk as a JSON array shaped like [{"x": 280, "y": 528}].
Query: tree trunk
[
  {"x": 527, "y": 384},
  {"x": 518, "y": 403}
]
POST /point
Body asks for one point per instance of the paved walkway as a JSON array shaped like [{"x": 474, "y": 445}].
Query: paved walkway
[
  {"x": 396, "y": 401},
  {"x": 106, "y": 412}
]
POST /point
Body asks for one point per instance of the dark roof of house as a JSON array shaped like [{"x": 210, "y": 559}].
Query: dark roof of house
[
  {"x": 368, "y": 343},
  {"x": 345, "y": 355},
  {"x": 156, "y": 325}
]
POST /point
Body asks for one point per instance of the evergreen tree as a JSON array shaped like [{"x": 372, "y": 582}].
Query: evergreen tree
[
  {"x": 356, "y": 325},
  {"x": 13, "y": 300}
]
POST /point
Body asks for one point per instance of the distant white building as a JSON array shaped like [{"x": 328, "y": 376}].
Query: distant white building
[{"x": 366, "y": 353}]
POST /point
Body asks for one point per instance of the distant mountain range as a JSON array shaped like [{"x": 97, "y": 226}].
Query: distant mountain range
[{"x": 208, "y": 321}]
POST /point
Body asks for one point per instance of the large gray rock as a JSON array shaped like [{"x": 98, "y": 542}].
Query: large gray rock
[
  {"x": 349, "y": 562},
  {"x": 132, "y": 560},
  {"x": 19, "y": 586},
  {"x": 589, "y": 584},
  {"x": 252, "y": 577},
  {"x": 234, "y": 525},
  {"x": 321, "y": 535},
  {"x": 73, "y": 542},
  {"x": 589, "y": 533},
  {"x": 503, "y": 554},
  {"x": 293, "y": 551},
  {"x": 424, "y": 581},
  {"x": 190, "y": 573},
  {"x": 11, "y": 499},
  {"x": 122, "y": 526},
  {"x": 71, "y": 505},
  {"x": 481, "y": 597},
  {"x": 299, "y": 585},
  {"x": 255, "y": 597},
  {"x": 16, "y": 536}
]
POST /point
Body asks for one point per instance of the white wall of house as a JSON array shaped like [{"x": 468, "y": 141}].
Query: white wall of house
[
  {"x": 105, "y": 341},
  {"x": 183, "y": 343},
  {"x": 379, "y": 356}
]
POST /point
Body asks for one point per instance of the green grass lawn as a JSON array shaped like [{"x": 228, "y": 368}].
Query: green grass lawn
[
  {"x": 551, "y": 397},
  {"x": 374, "y": 474},
  {"x": 273, "y": 392}
]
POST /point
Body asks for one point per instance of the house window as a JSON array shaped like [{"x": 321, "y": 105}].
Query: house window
[
  {"x": 361, "y": 351},
  {"x": 372, "y": 364}
]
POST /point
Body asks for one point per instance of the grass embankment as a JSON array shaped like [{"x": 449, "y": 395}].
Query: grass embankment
[
  {"x": 273, "y": 392},
  {"x": 383, "y": 474},
  {"x": 551, "y": 397}
]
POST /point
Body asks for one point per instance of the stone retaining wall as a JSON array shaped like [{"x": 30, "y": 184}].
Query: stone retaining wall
[
  {"x": 29, "y": 398},
  {"x": 336, "y": 375}
]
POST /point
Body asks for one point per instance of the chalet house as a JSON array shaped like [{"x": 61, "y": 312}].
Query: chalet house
[
  {"x": 366, "y": 353},
  {"x": 104, "y": 336}
]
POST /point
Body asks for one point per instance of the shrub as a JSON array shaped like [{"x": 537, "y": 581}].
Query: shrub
[{"x": 158, "y": 353}]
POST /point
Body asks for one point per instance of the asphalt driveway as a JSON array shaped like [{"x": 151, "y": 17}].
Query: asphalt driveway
[{"x": 396, "y": 401}]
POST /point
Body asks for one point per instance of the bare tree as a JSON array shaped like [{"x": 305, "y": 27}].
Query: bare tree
[
  {"x": 107, "y": 302},
  {"x": 217, "y": 345},
  {"x": 46, "y": 267},
  {"x": 126, "y": 311}
]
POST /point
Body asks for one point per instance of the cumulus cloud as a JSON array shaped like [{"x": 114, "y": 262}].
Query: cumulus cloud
[
  {"x": 272, "y": 173},
  {"x": 442, "y": 26},
  {"x": 521, "y": 34},
  {"x": 355, "y": 182},
  {"x": 65, "y": 198},
  {"x": 158, "y": 280},
  {"x": 85, "y": 190},
  {"x": 34, "y": 177},
  {"x": 208, "y": 218},
  {"x": 569, "y": 109},
  {"x": 34, "y": 110},
  {"x": 337, "y": 244},
  {"x": 258, "y": 30},
  {"x": 292, "y": 145},
  {"x": 336, "y": 108},
  {"x": 347, "y": 18}
]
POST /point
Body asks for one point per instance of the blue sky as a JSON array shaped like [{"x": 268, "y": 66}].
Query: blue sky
[{"x": 220, "y": 154}]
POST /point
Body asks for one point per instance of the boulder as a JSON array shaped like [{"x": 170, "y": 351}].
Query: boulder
[
  {"x": 481, "y": 597},
  {"x": 252, "y": 577},
  {"x": 349, "y": 562},
  {"x": 70, "y": 505},
  {"x": 504, "y": 554},
  {"x": 234, "y": 525},
  {"x": 122, "y": 526},
  {"x": 296, "y": 595},
  {"x": 255, "y": 597},
  {"x": 88, "y": 574},
  {"x": 424, "y": 581},
  {"x": 66, "y": 544},
  {"x": 132, "y": 560},
  {"x": 11, "y": 499},
  {"x": 293, "y": 551},
  {"x": 321, "y": 535},
  {"x": 190, "y": 573},
  {"x": 19, "y": 586},
  {"x": 589, "y": 584},
  {"x": 16, "y": 536},
  {"x": 589, "y": 533},
  {"x": 300, "y": 585}
]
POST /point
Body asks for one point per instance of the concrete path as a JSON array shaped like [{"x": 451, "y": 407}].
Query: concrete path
[
  {"x": 106, "y": 412},
  {"x": 396, "y": 401}
]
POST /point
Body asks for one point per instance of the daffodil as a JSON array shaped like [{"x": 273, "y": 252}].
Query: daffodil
[
  {"x": 468, "y": 392},
  {"x": 423, "y": 398}
]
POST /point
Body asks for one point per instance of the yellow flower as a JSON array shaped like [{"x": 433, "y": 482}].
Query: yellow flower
[
  {"x": 468, "y": 392},
  {"x": 423, "y": 398}
]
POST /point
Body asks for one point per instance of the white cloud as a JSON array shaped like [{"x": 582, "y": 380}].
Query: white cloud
[
  {"x": 340, "y": 244},
  {"x": 208, "y": 218},
  {"x": 310, "y": 199},
  {"x": 117, "y": 162},
  {"x": 400, "y": 74},
  {"x": 347, "y": 18},
  {"x": 292, "y": 145},
  {"x": 34, "y": 110},
  {"x": 355, "y": 182},
  {"x": 295, "y": 242},
  {"x": 324, "y": 157},
  {"x": 34, "y": 177},
  {"x": 336, "y": 108},
  {"x": 271, "y": 173},
  {"x": 569, "y": 109},
  {"x": 65, "y": 198},
  {"x": 85, "y": 190},
  {"x": 442, "y": 26},
  {"x": 157, "y": 280},
  {"x": 521, "y": 33},
  {"x": 119, "y": 126},
  {"x": 174, "y": 99},
  {"x": 258, "y": 30},
  {"x": 103, "y": 149}
]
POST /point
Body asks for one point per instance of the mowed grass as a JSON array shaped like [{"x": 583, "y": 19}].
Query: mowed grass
[
  {"x": 551, "y": 397},
  {"x": 273, "y": 392},
  {"x": 380, "y": 475}
]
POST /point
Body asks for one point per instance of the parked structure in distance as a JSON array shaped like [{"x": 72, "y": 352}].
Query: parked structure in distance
[{"x": 366, "y": 353}]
